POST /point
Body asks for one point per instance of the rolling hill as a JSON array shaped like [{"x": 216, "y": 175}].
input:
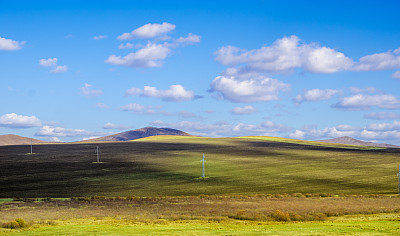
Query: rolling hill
[
  {"x": 139, "y": 133},
  {"x": 352, "y": 141},
  {"x": 11, "y": 139}
]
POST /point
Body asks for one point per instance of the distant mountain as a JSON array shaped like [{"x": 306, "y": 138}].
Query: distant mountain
[
  {"x": 11, "y": 139},
  {"x": 352, "y": 141},
  {"x": 139, "y": 133}
]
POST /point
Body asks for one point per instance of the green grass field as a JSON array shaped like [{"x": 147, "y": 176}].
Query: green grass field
[
  {"x": 171, "y": 166},
  {"x": 356, "y": 225},
  {"x": 247, "y": 169}
]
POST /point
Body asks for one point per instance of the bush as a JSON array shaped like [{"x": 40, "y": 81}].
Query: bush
[
  {"x": 11, "y": 225},
  {"x": 15, "y": 224},
  {"x": 281, "y": 216}
]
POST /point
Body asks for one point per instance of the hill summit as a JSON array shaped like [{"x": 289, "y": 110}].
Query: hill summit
[
  {"x": 12, "y": 139},
  {"x": 352, "y": 141},
  {"x": 139, "y": 133}
]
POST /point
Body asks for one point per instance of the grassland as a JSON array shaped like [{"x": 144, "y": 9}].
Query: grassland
[
  {"x": 253, "y": 185},
  {"x": 171, "y": 166},
  {"x": 205, "y": 215}
]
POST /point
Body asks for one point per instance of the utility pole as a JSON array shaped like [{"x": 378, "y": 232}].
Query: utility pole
[
  {"x": 203, "y": 174},
  {"x": 31, "y": 146},
  {"x": 98, "y": 154}
]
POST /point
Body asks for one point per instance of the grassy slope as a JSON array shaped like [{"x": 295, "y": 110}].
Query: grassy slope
[
  {"x": 169, "y": 165},
  {"x": 351, "y": 226}
]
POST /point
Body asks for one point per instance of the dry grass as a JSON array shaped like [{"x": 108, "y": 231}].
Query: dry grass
[{"x": 295, "y": 207}]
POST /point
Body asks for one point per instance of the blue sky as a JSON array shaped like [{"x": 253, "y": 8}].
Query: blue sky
[{"x": 71, "y": 70}]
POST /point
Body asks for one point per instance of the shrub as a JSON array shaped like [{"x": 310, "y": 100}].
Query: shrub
[
  {"x": 15, "y": 224},
  {"x": 21, "y": 222},
  {"x": 281, "y": 216},
  {"x": 11, "y": 225}
]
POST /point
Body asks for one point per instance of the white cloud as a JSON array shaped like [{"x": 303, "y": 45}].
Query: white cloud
[
  {"x": 285, "y": 55},
  {"x": 396, "y": 75},
  {"x": 382, "y": 116},
  {"x": 385, "y": 132},
  {"x": 379, "y": 61},
  {"x": 248, "y": 87},
  {"x": 48, "y": 62},
  {"x": 85, "y": 90},
  {"x": 145, "y": 110},
  {"x": 63, "y": 132},
  {"x": 366, "y": 90},
  {"x": 59, "y": 69},
  {"x": 224, "y": 129},
  {"x": 175, "y": 93},
  {"x": 148, "y": 31},
  {"x": 315, "y": 95},
  {"x": 191, "y": 38},
  {"x": 10, "y": 45},
  {"x": 99, "y": 37},
  {"x": 126, "y": 46},
  {"x": 243, "y": 110},
  {"x": 363, "y": 102},
  {"x": 395, "y": 126},
  {"x": 152, "y": 55},
  {"x": 298, "y": 134},
  {"x": 114, "y": 126},
  {"x": 15, "y": 121},
  {"x": 289, "y": 53}
]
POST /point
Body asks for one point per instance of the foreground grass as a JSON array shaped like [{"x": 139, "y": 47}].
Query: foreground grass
[
  {"x": 382, "y": 224},
  {"x": 277, "y": 214}
]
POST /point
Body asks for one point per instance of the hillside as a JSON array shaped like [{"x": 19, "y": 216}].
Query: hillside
[
  {"x": 139, "y": 133},
  {"x": 352, "y": 141},
  {"x": 171, "y": 166},
  {"x": 11, "y": 139}
]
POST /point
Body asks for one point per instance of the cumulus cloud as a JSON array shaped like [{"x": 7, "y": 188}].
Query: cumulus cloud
[
  {"x": 187, "y": 114},
  {"x": 243, "y": 110},
  {"x": 364, "y": 90},
  {"x": 382, "y": 116},
  {"x": 59, "y": 69},
  {"x": 364, "y": 102},
  {"x": 248, "y": 87},
  {"x": 148, "y": 31},
  {"x": 379, "y": 61},
  {"x": 10, "y": 45},
  {"x": 396, "y": 75},
  {"x": 52, "y": 62},
  {"x": 289, "y": 53},
  {"x": 159, "y": 46},
  {"x": 285, "y": 55},
  {"x": 99, "y": 37},
  {"x": 126, "y": 46},
  {"x": 175, "y": 93},
  {"x": 152, "y": 55},
  {"x": 87, "y": 91},
  {"x": 114, "y": 126},
  {"x": 48, "y": 62},
  {"x": 315, "y": 95},
  {"x": 191, "y": 38},
  {"x": 384, "y": 132},
  {"x": 224, "y": 129},
  {"x": 15, "y": 121},
  {"x": 64, "y": 132}
]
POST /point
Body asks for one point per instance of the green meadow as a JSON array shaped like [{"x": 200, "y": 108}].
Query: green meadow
[{"x": 253, "y": 185}]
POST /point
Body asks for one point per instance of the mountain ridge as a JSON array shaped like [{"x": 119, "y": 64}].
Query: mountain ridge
[
  {"x": 353, "y": 141},
  {"x": 12, "y": 139},
  {"x": 139, "y": 133}
]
